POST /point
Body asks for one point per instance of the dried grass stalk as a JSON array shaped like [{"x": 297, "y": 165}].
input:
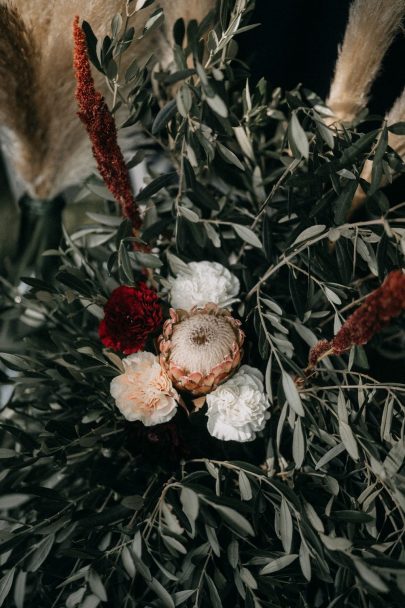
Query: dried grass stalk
[
  {"x": 42, "y": 135},
  {"x": 371, "y": 28}
]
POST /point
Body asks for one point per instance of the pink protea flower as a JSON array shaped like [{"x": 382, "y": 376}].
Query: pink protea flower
[
  {"x": 377, "y": 310},
  {"x": 200, "y": 348}
]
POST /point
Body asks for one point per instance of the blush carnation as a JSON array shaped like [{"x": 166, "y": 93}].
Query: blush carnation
[
  {"x": 130, "y": 316},
  {"x": 237, "y": 409},
  {"x": 202, "y": 282},
  {"x": 144, "y": 392}
]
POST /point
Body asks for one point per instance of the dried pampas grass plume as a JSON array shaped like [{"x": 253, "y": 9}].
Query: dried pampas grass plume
[
  {"x": 371, "y": 28},
  {"x": 43, "y": 139}
]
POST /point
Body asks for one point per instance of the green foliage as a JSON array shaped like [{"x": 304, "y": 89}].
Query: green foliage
[{"x": 95, "y": 511}]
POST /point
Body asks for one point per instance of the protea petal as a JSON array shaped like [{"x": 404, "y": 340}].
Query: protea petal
[{"x": 200, "y": 348}]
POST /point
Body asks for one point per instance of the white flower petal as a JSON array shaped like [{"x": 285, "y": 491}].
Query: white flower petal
[
  {"x": 237, "y": 409},
  {"x": 203, "y": 282}
]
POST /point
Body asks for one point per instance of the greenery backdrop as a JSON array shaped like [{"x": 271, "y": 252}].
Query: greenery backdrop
[{"x": 97, "y": 511}]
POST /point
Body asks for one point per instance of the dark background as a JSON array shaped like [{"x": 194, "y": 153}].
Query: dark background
[{"x": 297, "y": 42}]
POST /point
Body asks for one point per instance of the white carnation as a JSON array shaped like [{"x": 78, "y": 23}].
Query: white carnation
[
  {"x": 237, "y": 409},
  {"x": 201, "y": 283}
]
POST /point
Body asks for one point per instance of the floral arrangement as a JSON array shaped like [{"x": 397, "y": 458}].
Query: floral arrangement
[{"x": 202, "y": 412}]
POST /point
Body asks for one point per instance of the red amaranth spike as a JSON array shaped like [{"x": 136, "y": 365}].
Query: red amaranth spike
[
  {"x": 377, "y": 310},
  {"x": 100, "y": 125}
]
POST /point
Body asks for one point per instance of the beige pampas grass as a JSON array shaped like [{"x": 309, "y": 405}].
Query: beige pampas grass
[
  {"x": 42, "y": 136},
  {"x": 371, "y": 28}
]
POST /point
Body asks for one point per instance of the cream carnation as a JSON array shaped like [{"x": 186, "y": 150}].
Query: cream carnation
[
  {"x": 203, "y": 282},
  {"x": 237, "y": 409},
  {"x": 144, "y": 392}
]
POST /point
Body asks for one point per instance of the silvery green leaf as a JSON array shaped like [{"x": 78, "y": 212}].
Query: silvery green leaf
[
  {"x": 230, "y": 156},
  {"x": 91, "y": 601},
  {"x": 330, "y": 455},
  {"x": 337, "y": 323},
  {"x": 233, "y": 553},
  {"x": 291, "y": 393},
  {"x": 395, "y": 458},
  {"x": 286, "y": 525},
  {"x": 342, "y": 408},
  {"x": 305, "y": 561},
  {"x": 267, "y": 378},
  {"x": 297, "y": 138},
  {"x": 217, "y": 105},
  {"x": 213, "y": 539},
  {"x": 314, "y": 518},
  {"x": 244, "y": 142},
  {"x": 169, "y": 541},
  {"x": 213, "y": 235},
  {"x": 348, "y": 440},
  {"x": 74, "y": 599},
  {"x": 176, "y": 264},
  {"x": 12, "y": 501},
  {"x": 346, "y": 173},
  {"x": 298, "y": 446},
  {"x": 332, "y": 296},
  {"x": 20, "y": 589},
  {"x": 370, "y": 576},
  {"x": 326, "y": 134},
  {"x": 233, "y": 518},
  {"x": 128, "y": 562},
  {"x": 245, "y": 488},
  {"x": 190, "y": 503},
  {"x": 309, "y": 233},
  {"x": 40, "y": 554},
  {"x": 247, "y": 235},
  {"x": 306, "y": 334},
  {"x": 97, "y": 586},
  {"x": 5, "y": 585},
  {"x": 154, "y": 21},
  {"x": 278, "y": 564},
  {"x": 215, "y": 600},
  {"x": 275, "y": 321},
  {"x": 147, "y": 260},
  {"x": 248, "y": 578},
  {"x": 184, "y": 100},
  {"x": 336, "y": 543},
  {"x": 272, "y": 305},
  {"x": 106, "y": 220},
  {"x": 182, "y": 596},
  {"x": 189, "y": 214}
]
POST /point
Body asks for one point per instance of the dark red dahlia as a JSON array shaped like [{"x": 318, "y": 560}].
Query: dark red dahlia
[{"x": 130, "y": 316}]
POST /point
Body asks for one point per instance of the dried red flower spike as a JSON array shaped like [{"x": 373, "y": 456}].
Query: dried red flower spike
[
  {"x": 100, "y": 125},
  {"x": 382, "y": 305},
  {"x": 317, "y": 351},
  {"x": 130, "y": 316}
]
